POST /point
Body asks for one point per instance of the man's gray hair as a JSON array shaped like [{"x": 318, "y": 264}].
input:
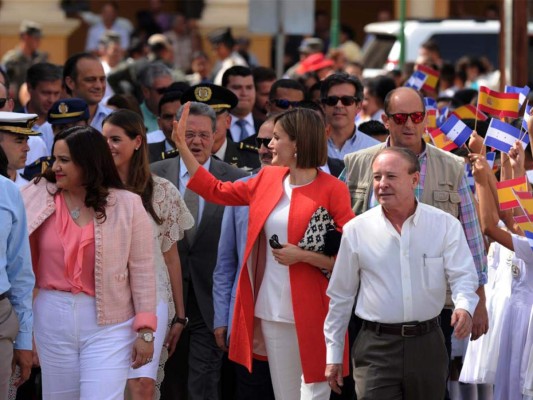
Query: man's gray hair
[
  {"x": 200, "y": 109},
  {"x": 150, "y": 72}
]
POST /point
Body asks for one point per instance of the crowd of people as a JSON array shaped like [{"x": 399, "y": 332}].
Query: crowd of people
[{"x": 171, "y": 230}]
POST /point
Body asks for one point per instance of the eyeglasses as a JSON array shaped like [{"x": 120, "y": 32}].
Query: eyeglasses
[
  {"x": 345, "y": 100},
  {"x": 262, "y": 142},
  {"x": 162, "y": 90},
  {"x": 285, "y": 104},
  {"x": 401, "y": 118},
  {"x": 204, "y": 136},
  {"x": 3, "y": 102}
]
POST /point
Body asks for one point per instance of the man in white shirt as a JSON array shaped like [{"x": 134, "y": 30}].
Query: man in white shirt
[{"x": 397, "y": 259}]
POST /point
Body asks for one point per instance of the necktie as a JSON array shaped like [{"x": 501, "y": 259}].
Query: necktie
[
  {"x": 242, "y": 124},
  {"x": 193, "y": 203}
]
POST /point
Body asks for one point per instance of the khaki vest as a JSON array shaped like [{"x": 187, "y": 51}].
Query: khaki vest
[{"x": 444, "y": 173}]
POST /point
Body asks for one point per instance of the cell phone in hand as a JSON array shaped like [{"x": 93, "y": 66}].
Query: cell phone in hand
[{"x": 274, "y": 242}]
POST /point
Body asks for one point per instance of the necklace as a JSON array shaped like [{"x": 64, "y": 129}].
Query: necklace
[{"x": 75, "y": 213}]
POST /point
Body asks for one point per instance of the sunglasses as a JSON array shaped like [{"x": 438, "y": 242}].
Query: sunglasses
[
  {"x": 3, "y": 102},
  {"x": 401, "y": 118},
  {"x": 333, "y": 100},
  {"x": 262, "y": 142},
  {"x": 285, "y": 104},
  {"x": 162, "y": 90}
]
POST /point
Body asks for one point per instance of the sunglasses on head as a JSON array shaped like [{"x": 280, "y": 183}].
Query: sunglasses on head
[
  {"x": 3, "y": 102},
  {"x": 333, "y": 100},
  {"x": 401, "y": 118},
  {"x": 262, "y": 142},
  {"x": 285, "y": 104}
]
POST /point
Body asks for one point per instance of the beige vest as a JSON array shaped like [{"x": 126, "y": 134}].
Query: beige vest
[{"x": 444, "y": 173}]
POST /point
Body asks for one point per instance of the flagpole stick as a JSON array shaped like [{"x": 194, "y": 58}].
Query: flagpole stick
[{"x": 477, "y": 111}]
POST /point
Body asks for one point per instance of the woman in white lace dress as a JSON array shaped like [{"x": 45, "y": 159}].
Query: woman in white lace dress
[{"x": 126, "y": 136}]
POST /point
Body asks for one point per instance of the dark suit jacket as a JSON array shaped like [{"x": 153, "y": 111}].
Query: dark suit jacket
[
  {"x": 155, "y": 151},
  {"x": 335, "y": 166},
  {"x": 199, "y": 258},
  {"x": 245, "y": 157}
]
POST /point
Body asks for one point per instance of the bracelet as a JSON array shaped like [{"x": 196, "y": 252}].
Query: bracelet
[{"x": 178, "y": 320}]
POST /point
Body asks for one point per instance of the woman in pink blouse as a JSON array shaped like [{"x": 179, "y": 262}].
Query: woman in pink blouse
[
  {"x": 126, "y": 137},
  {"x": 92, "y": 252}
]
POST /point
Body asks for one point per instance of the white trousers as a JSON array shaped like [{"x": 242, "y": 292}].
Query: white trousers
[
  {"x": 150, "y": 370},
  {"x": 285, "y": 365},
  {"x": 80, "y": 359}
]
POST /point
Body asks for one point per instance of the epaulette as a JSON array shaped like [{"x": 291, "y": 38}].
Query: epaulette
[
  {"x": 37, "y": 167},
  {"x": 247, "y": 147},
  {"x": 169, "y": 154}
]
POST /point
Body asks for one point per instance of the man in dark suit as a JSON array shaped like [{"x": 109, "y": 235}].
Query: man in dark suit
[
  {"x": 160, "y": 141},
  {"x": 198, "y": 253},
  {"x": 222, "y": 101},
  {"x": 244, "y": 126}
]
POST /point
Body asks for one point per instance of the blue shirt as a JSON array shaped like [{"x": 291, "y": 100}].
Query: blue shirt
[
  {"x": 16, "y": 272},
  {"x": 99, "y": 115},
  {"x": 229, "y": 262},
  {"x": 358, "y": 141}
]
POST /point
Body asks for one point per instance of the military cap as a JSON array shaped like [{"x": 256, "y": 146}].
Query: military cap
[
  {"x": 67, "y": 111},
  {"x": 37, "y": 167},
  {"x": 311, "y": 45},
  {"x": 158, "y": 40},
  {"x": 217, "y": 97},
  {"x": 18, "y": 123},
  {"x": 109, "y": 37},
  {"x": 30, "y": 28},
  {"x": 222, "y": 35}
]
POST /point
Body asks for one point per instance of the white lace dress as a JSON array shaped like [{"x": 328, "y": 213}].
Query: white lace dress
[{"x": 171, "y": 209}]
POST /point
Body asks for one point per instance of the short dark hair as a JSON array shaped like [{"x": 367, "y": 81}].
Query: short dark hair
[
  {"x": 90, "y": 152},
  {"x": 263, "y": 74},
  {"x": 168, "y": 97},
  {"x": 338, "y": 79},
  {"x": 125, "y": 101},
  {"x": 386, "y": 103},
  {"x": 285, "y": 84},
  {"x": 70, "y": 69},
  {"x": 311, "y": 105},
  {"x": 379, "y": 87},
  {"x": 431, "y": 45},
  {"x": 306, "y": 128},
  {"x": 43, "y": 72},
  {"x": 373, "y": 128},
  {"x": 237, "y": 70},
  {"x": 406, "y": 154},
  {"x": 152, "y": 71}
]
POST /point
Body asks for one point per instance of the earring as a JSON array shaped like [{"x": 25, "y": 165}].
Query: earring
[
  {"x": 136, "y": 148},
  {"x": 295, "y": 154}
]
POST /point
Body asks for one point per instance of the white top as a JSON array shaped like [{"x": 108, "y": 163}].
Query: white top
[
  {"x": 274, "y": 302},
  {"x": 401, "y": 278}
]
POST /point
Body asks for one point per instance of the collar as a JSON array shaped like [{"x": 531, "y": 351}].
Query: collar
[
  {"x": 183, "y": 169},
  {"x": 249, "y": 120},
  {"x": 221, "y": 153},
  {"x": 420, "y": 156}
]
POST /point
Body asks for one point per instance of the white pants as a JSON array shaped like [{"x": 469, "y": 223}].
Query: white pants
[
  {"x": 150, "y": 370},
  {"x": 80, "y": 359},
  {"x": 285, "y": 365}
]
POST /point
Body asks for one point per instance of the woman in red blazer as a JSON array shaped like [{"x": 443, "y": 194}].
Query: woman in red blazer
[{"x": 281, "y": 301}]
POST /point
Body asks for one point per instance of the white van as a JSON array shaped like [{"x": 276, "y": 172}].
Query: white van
[{"x": 455, "y": 38}]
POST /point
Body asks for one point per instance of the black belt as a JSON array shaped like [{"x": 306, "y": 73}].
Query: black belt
[
  {"x": 405, "y": 330},
  {"x": 3, "y": 296}
]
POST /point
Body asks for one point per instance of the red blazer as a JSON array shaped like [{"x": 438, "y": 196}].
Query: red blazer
[{"x": 308, "y": 285}]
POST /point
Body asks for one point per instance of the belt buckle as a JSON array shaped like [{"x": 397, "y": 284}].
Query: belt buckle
[{"x": 403, "y": 330}]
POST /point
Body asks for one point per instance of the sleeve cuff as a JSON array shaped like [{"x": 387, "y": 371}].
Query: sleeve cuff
[
  {"x": 145, "y": 320},
  {"x": 23, "y": 341},
  {"x": 335, "y": 354}
]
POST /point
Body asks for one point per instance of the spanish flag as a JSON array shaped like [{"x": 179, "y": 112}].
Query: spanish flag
[
  {"x": 431, "y": 118},
  {"x": 469, "y": 112},
  {"x": 441, "y": 141},
  {"x": 432, "y": 78},
  {"x": 498, "y": 104},
  {"x": 506, "y": 196},
  {"x": 524, "y": 222},
  {"x": 525, "y": 200}
]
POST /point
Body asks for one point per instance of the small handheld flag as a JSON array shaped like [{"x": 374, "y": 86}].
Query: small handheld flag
[
  {"x": 506, "y": 196},
  {"x": 503, "y": 136},
  {"x": 522, "y": 93},
  {"x": 456, "y": 130},
  {"x": 498, "y": 104}
]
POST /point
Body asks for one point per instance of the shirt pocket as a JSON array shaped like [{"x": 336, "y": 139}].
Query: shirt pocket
[
  {"x": 433, "y": 273},
  {"x": 447, "y": 201},
  {"x": 358, "y": 195}
]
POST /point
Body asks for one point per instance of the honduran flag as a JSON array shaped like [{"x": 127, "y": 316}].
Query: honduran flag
[
  {"x": 526, "y": 117},
  {"x": 506, "y": 196},
  {"x": 441, "y": 141},
  {"x": 456, "y": 130},
  {"x": 522, "y": 93},
  {"x": 416, "y": 81},
  {"x": 442, "y": 115},
  {"x": 468, "y": 111},
  {"x": 470, "y": 177},
  {"x": 498, "y": 104},
  {"x": 431, "y": 104},
  {"x": 432, "y": 77},
  {"x": 491, "y": 157},
  {"x": 529, "y": 236},
  {"x": 503, "y": 136}
]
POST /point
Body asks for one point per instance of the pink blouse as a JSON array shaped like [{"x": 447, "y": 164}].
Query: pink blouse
[{"x": 65, "y": 253}]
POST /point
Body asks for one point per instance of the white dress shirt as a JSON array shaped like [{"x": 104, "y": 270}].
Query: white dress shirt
[{"x": 398, "y": 277}]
